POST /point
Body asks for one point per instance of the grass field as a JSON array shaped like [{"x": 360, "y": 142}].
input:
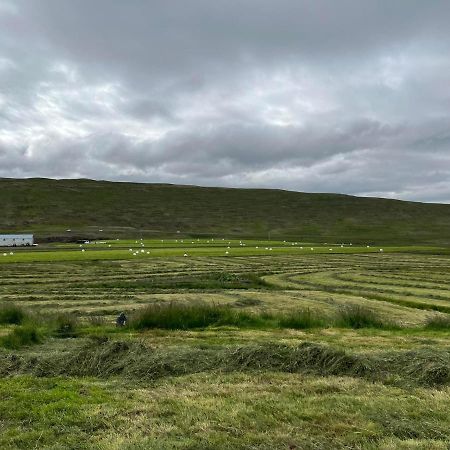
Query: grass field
[
  {"x": 48, "y": 208},
  {"x": 289, "y": 348},
  {"x": 151, "y": 248}
]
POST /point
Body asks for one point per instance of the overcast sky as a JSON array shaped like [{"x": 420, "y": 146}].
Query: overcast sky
[{"x": 349, "y": 96}]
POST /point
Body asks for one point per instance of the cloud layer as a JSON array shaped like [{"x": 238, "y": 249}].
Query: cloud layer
[{"x": 320, "y": 96}]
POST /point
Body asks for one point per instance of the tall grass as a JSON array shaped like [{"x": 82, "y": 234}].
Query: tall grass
[
  {"x": 301, "y": 319},
  {"x": 180, "y": 316},
  {"x": 356, "y": 316},
  {"x": 21, "y": 336},
  {"x": 64, "y": 325},
  {"x": 31, "y": 328},
  {"x": 184, "y": 316},
  {"x": 11, "y": 314},
  {"x": 198, "y": 315},
  {"x": 438, "y": 323}
]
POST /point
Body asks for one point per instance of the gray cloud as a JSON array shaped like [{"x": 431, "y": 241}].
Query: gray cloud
[{"x": 305, "y": 95}]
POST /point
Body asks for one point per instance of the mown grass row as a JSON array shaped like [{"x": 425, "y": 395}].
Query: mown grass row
[
  {"x": 199, "y": 281},
  {"x": 133, "y": 360},
  {"x": 106, "y": 288},
  {"x": 381, "y": 295}
]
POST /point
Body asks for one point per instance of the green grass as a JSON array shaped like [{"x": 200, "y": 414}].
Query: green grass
[
  {"x": 178, "y": 316},
  {"x": 243, "y": 343},
  {"x": 356, "y": 316},
  {"x": 438, "y": 323},
  {"x": 302, "y": 319},
  {"x": 64, "y": 325},
  {"x": 99, "y": 254},
  {"x": 204, "y": 281},
  {"x": 21, "y": 336},
  {"x": 30, "y": 329},
  {"x": 269, "y": 410},
  {"x": 11, "y": 314},
  {"x": 136, "y": 361},
  {"x": 182, "y": 316},
  {"x": 127, "y": 209},
  {"x": 289, "y": 348},
  {"x": 186, "y": 316}
]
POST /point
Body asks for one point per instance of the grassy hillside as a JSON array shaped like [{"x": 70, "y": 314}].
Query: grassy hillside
[{"x": 49, "y": 207}]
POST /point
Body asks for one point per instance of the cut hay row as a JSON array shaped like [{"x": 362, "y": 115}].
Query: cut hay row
[
  {"x": 430, "y": 289},
  {"x": 133, "y": 360},
  {"x": 111, "y": 285}
]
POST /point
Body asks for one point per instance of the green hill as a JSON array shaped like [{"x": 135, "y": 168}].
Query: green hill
[{"x": 49, "y": 207}]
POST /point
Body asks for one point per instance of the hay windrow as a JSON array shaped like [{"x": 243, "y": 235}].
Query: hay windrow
[{"x": 105, "y": 358}]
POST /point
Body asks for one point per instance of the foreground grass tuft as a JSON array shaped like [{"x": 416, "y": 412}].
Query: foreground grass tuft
[
  {"x": 11, "y": 314},
  {"x": 185, "y": 316},
  {"x": 438, "y": 323},
  {"x": 356, "y": 316},
  {"x": 180, "y": 316},
  {"x": 301, "y": 319},
  {"x": 21, "y": 336},
  {"x": 65, "y": 326}
]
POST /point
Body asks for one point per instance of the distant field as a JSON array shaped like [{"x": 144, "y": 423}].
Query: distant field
[
  {"x": 289, "y": 372},
  {"x": 150, "y": 248}
]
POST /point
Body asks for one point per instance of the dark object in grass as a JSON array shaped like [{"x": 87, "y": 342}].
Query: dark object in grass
[{"x": 121, "y": 321}]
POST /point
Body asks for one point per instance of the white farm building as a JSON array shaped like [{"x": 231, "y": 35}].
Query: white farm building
[{"x": 16, "y": 240}]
